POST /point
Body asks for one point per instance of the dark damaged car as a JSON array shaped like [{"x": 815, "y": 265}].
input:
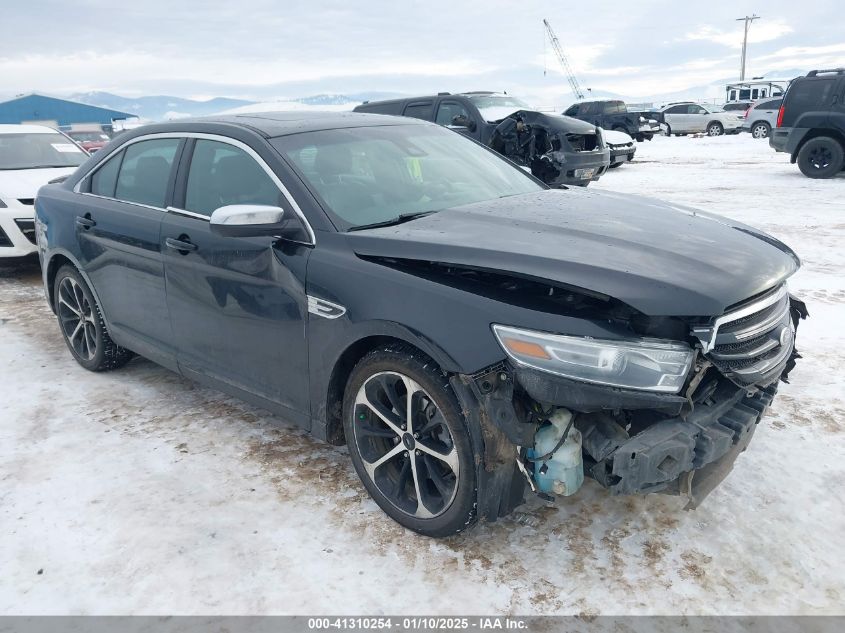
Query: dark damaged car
[
  {"x": 557, "y": 149},
  {"x": 468, "y": 332}
]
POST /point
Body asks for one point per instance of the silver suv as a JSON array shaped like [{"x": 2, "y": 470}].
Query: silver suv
[
  {"x": 691, "y": 118},
  {"x": 761, "y": 117}
]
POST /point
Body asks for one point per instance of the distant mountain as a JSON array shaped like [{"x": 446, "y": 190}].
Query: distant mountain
[
  {"x": 343, "y": 99},
  {"x": 158, "y": 108}
]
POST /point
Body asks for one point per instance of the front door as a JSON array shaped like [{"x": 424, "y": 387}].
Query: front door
[
  {"x": 455, "y": 116},
  {"x": 118, "y": 225},
  {"x": 237, "y": 305}
]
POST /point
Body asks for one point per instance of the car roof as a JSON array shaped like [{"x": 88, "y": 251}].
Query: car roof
[
  {"x": 8, "y": 128},
  {"x": 283, "y": 123}
]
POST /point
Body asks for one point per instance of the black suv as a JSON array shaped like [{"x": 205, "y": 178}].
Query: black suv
[
  {"x": 385, "y": 283},
  {"x": 811, "y": 123},
  {"x": 557, "y": 149},
  {"x": 614, "y": 115}
]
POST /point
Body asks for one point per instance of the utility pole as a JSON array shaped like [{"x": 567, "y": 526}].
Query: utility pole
[{"x": 748, "y": 19}]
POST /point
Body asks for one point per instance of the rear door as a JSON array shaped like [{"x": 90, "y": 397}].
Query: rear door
[
  {"x": 237, "y": 304},
  {"x": 118, "y": 233},
  {"x": 765, "y": 111},
  {"x": 421, "y": 109}
]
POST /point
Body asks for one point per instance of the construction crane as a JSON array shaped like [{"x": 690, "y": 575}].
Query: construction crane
[{"x": 564, "y": 63}]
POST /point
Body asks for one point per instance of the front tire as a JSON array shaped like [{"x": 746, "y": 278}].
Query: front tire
[
  {"x": 715, "y": 128},
  {"x": 821, "y": 157},
  {"x": 409, "y": 443},
  {"x": 82, "y": 325}
]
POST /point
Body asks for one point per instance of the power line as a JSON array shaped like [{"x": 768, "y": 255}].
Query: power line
[{"x": 748, "y": 19}]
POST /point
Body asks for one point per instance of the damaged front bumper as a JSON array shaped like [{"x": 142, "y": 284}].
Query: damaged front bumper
[
  {"x": 678, "y": 455},
  {"x": 631, "y": 441}
]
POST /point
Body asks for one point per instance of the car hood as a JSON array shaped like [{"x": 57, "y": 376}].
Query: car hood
[
  {"x": 25, "y": 183},
  {"x": 659, "y": 258}
]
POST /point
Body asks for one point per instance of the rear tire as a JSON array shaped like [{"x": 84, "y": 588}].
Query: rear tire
[
  {"x": 418, "y": 468},
  {"x": 82, "y": 325},
  {"x": 761, "y": 129},
  {"x": 821, "y": 157}
]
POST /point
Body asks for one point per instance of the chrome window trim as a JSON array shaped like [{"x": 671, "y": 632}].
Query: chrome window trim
[
  {"x": 209, "y": 137},
  {"x": 190, "y": 214},
  {"x": 707, "y": 335}
]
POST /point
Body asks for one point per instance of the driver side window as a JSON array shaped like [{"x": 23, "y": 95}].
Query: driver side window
[
  {"x": 221, "y": 174},
  {"x": 452, "y": 113}
]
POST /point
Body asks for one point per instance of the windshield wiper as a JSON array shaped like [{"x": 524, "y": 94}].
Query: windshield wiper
[{"x": 399, "y": 219}]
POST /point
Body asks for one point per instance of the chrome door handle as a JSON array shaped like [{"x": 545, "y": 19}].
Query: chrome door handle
[{"x": 85, "y": 222}]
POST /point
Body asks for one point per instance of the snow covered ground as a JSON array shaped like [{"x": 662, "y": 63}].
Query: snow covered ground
[{"x": 138, "y": 492}]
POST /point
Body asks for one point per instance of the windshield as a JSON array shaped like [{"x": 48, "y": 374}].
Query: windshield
[
  {"x": 367, "y": 175},
  {"x": 33, "y": 151},
  {"x": 497, "y": 107}
]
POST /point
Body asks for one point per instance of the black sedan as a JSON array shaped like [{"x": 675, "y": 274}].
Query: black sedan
[{"x": 387, "y": 283}]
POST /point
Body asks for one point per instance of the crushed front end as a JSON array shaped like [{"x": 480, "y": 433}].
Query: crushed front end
[
  {"x": 681, "y": 441},
  {"x": 558, "y": 150}
]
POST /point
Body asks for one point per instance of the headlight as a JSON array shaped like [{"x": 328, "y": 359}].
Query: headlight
[
  {"x": 653, "y": 365},
  {"x": 642, "y": 119}
]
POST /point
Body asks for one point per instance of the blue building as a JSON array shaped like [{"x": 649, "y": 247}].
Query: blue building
[{"x": 36, "y": 107}]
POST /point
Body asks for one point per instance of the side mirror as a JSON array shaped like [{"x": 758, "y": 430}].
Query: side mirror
[
  {"x": 248, "y": 220},
  {"x": 460, "y": 120}
]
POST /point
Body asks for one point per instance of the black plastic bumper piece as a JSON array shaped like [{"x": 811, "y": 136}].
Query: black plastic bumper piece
[
  {"x": 676, "y": 456},
  {"x": 584, "y": 397}
]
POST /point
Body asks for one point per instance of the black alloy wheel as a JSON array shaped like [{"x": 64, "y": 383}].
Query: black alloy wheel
[{"x": 409, "y": 443}]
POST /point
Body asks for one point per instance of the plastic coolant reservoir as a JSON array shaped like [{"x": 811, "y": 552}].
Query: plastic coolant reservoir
[{"x": 563, "y": 473}]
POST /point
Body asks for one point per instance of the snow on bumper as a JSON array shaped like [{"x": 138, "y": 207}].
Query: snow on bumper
[{"x": 17, "y": 228}]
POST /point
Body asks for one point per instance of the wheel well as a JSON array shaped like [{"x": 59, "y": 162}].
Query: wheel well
[
  {"x": 715, "y": 121},
  {"x": 56, "y": 262},
  {"x": 816, "y": 132},
  {"x": 340, "y": 375}
]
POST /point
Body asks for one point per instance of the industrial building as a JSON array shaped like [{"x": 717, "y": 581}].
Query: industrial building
[{"x": 35, "y": 108}]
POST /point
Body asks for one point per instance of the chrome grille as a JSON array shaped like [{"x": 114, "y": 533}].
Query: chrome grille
[{"x": 752, "y": 343}]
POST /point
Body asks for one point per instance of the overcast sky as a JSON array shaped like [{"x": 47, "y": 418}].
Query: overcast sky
[{"x": 263, "y": 49}]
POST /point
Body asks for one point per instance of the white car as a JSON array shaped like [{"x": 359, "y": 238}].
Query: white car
[
  {"x": 30, "y": 156},
  {"x": 621, "y": 145},
  {"x": 694, "y": 118}
]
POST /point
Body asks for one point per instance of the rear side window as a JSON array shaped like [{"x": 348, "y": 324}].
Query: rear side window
[
  {"x": 145, "y": 171},
  {"x": 614, "y": 107},
  {"x": 221, "y": 174},
  {"x": 104, "y": 180},
  {"x": 811, "y": 93},
  {"x": 420, "y": 110},
  {"x": 772, "y": 104}
]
